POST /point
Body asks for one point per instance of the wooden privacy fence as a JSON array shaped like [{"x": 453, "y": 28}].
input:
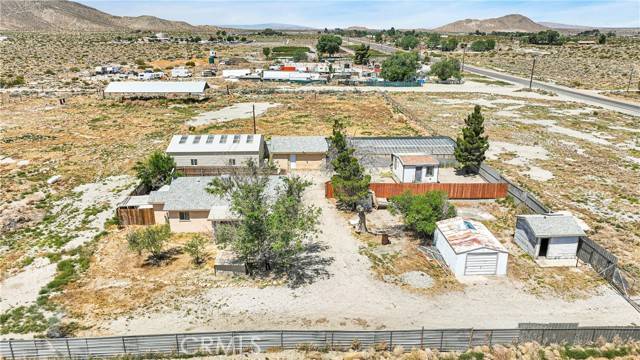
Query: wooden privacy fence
[
  {"x": 234, "y": 342},
  {"x": 454, "y": 191},
  {"x": 135, "y": 216}
]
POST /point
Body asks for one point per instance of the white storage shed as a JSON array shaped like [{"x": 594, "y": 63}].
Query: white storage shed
[
  {"x": 420, "y": 168},
  {"x": 469, "y": 248}
]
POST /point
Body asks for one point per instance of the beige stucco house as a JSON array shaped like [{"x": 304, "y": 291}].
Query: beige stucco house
[{"x": 298, "y": 152}]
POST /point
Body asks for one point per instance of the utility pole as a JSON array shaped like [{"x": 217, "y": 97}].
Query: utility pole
[
  {"x": 630, "y": 77},
  {"x": 532, "y": 68},
  {"x": 254, "y": 118},
  {"x": 464, "y": 50}
]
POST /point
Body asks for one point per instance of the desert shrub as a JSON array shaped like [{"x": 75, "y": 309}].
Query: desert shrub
[
  {"x": 195, "y": 249},
  {"x": 151, "y": 239},
  {"x": 421, "y": 212}
]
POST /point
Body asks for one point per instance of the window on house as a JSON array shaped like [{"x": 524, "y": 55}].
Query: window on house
[
  {"x": 236, "y": 139},
  {"x": 429, "y": 170},
  {"x": 232, "y": 162},
  {"x": 210, "y": 139},
  {"x": 183, "y": 139},
  {"x": 184, "y": 216},
  {"x": 194, "y": 162},
  {"x": 249, "y": 139},
  {"x": 223, "y": 139},
  {"x": 196, "y": 140}
]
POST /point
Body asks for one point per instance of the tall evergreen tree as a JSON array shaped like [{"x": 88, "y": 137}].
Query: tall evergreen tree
[{"x": 471, "y": 147}]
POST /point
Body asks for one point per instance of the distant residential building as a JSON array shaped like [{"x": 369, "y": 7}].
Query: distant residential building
[
  {"x": 415, "y": 168},
  {"x": 298, "y": 152}
]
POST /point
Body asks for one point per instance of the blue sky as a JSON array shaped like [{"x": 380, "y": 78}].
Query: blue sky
[{"x": 376, "y": 13}]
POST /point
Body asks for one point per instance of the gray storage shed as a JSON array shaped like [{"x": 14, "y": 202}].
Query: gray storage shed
[{"x": 549, "y": 236}]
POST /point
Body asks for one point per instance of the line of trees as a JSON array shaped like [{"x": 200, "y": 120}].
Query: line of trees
[{"x": 483, "y": 45}]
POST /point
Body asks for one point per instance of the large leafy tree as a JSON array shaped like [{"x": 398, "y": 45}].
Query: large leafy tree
[
  {"x": 273, "y": 223},
  {"x": 449, "y": 44},
  {"x": 156, "y": 170},
  {"x": 400, "y": 67},
  {"x": 350, "y": 183},
  {"x": 361, "y": 56},
  {"x": 408, "y": 42},
  {"x": 329, "y": 44},
  {"x": 446, "y": 69},
  {"x": 421, "y": 212},
  {"x": 472, "y": 145}
]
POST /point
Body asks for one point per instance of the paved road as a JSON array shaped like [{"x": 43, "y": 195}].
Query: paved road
[{"x": 579, "y": 95}]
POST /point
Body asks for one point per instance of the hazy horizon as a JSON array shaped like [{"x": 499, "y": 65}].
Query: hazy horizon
[{"x": 375, "y": 14}]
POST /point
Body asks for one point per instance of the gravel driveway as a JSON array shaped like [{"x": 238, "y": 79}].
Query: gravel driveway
[{"x": 351, "y": 298}]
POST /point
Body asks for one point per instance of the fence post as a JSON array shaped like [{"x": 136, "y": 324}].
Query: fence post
[
  {"x": 391, "y": 341},
  {"x": 282, "y": 340},
  {"x": 422, "y": 338},
  {"x": 35, "y": 345},
  {"x": 68, "y": 348},
  {"x": 233, "y": 342},
  {"x": 333, "y": 332},
  {"x": 593, "y": 336},
  {"x": 124, "y": 346},
  {"x": 13, "y": 356},
  {"x": 178, "y": 350},
  {"x": 491, "y": 338},
  {"x": 470, "y": 338},
  {"x": 542, "y": 337},
  {"x": 441, "y": 339}
]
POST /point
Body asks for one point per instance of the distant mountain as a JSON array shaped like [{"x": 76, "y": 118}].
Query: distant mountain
[
  {"x": 274, "y": 26},
  {"x": 564, "y": 26},
  {"x": 62, "y": 15},
  {"x": 508, "y": 23}
]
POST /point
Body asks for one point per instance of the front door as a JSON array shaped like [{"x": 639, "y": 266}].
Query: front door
[
  {"x": 292, "y": 161},
  {"x": 418, "y": 174},
  {"x": 544, "y": 247}
]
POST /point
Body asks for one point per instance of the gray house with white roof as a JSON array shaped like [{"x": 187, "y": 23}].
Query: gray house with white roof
[
  {"x": 211, "y": 151},
  {"x": 550, "y": 237}
]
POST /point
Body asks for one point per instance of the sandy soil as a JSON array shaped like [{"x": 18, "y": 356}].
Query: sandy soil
[
  {"x": 233, "y": 112},
  {"x": 350, "y": 297}
]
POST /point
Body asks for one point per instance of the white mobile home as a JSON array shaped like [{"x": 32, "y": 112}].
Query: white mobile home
[
  {"x": 415, "y": 168},
  {"x": 550, "y": 237},
  {"x": 156, "y": 88},
  {"x": 180, "y": 72},
  {"x": 469, "y": 248},
  {"x": 221, "y": 150}
]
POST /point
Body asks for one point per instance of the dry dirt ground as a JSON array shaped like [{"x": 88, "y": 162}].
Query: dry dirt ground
[
  {"x": 598, "y": 67},
  {"x": 574, "y": 157},
  {"x": 345, "y": 292}
]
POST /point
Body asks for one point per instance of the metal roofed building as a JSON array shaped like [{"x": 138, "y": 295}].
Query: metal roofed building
[
  {"x": 377, "y": 151},
  {"x": 209, "y": 151},
  {"x": 156, "y": 89},
  {"x": 298, "y": 152},
  {"x": 550, "y": 239},
  {"x": 469, "y": 248}
]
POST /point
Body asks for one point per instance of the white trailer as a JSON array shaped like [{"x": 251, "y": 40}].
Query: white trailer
[
  {"x": 235, "y": 73},
  {"x": 180, "y": 72}
]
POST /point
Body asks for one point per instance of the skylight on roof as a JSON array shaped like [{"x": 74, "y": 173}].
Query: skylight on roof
[
  {"x": 236, "y": 139},
  {"x": 469, "y": 225},
  {"x": 249, "y": 139},
  {"x": 223, "y": 139},
  {"x": 183, "y": 139},
  {"x": 210, "y": 139},
  {"x": 196, "y": 140}
]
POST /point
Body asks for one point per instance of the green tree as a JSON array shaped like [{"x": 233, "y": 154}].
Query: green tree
[
  {"x": 408, "y": 42},
  {"x": 150, "y": 239},
  {"x": 433, "y": 41},
  {"x": 350, "y": 183},
  {"x": 195, "y": 248},
  {"x": 421, "y": 212},
  {"x": 483, "y": 45},
  {"x": 602, "y": 39},
  {"x": 266, "y": 52},
  {"x": 378, "y": 37},
  {"x": 329, "y": 44},
  {"x": 400, "y": 67},
  {"x": 156, "y": 170},
  {"x": 472, "y": 145},
  {"x": 449, "y": 44},
  {"x": 273, "y": 224},
  {"x": 299, "y": 55},
  {"x": 361, "y": 55},
  {"x": 446, "y": 69}
]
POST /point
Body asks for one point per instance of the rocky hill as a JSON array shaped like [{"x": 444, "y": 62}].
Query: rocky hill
[
  {"x": 510, "y": 23},
  {"x": 62, "y": 15}
]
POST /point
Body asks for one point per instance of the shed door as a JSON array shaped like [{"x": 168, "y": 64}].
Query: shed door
[
  {"x": 292, "y": 161},
  {"x": 481, "y": 264},
  {"x": 418, "y": 176}
]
